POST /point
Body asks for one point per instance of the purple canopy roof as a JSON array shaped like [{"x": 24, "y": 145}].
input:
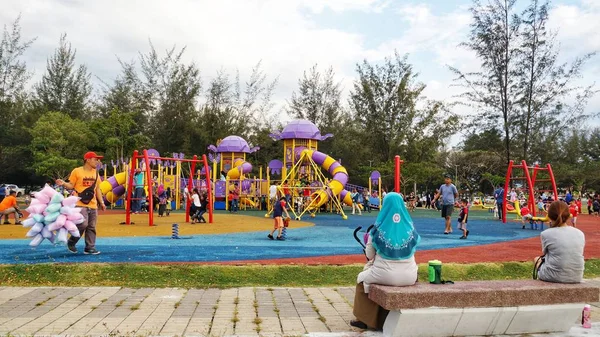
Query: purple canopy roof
[
  {"x": 300, "y": 129},
  {"x": 233, "y": 144}
]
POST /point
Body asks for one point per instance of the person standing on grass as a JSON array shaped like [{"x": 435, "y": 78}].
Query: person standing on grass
[
  {"x": 84, "y": 180},
  {"x": 449, "y": 194}
]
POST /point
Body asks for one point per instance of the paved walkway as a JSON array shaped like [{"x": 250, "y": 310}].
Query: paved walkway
[{"x": 113, "y": 311}]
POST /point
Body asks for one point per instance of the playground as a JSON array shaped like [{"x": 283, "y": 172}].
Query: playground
[
  {"x": 315, "y": 186},
  {"x": 241, "y": 239}
]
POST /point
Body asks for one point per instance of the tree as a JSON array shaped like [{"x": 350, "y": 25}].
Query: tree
[
  {"x": 492, "y": 90},
  {"x": 14, "y": 151},
  {"x": 118, "y": 134},
  {"x": 543, "y": 83},
  {"x": 64, "y": 88},
  {"x": 385, "y": 101},
  {"x": 318, "y": 99},
  {"x": 13, "y": 70},
  {"x": 488, "y": 140},
  {"x": 58, "y": 143}
]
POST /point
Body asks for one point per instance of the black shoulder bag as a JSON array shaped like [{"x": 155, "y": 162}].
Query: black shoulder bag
[
  {"x": 87, "y": 195},
  {"x": 536, "y": 267}
]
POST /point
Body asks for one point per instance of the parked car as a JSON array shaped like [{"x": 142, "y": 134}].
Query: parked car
[{"x": 11, "y": 187}]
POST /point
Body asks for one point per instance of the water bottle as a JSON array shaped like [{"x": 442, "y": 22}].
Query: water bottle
[
  {"x": 585, "y": 316},
  {"x": 435, "y": 271}
]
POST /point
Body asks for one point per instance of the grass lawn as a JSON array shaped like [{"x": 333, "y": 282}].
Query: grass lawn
[{"x": 222, "y": 276}]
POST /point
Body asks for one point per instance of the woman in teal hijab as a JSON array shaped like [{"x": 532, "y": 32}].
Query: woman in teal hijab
[{"x": 390, "y": 249}]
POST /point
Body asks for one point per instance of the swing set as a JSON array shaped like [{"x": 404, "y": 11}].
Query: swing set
[{"x": 146, "y": 157}]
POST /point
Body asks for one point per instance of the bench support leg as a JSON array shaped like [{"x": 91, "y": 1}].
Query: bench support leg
[{"x": 441, "y": 322}]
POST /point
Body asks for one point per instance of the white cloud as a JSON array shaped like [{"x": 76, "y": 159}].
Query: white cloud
[{"x": 232, "y": 34}]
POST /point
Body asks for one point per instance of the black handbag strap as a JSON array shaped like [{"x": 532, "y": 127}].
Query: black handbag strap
[{"x": 536, "y": 267}]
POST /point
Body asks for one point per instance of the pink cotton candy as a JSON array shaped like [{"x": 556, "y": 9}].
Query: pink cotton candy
[
  {"x": 34, "y": 202},
  {"x": 41, "y": 197},
  {"x": 70, "y": 201},
  {"x": 36, "y": 209},
  {"x": 71, "y": 227},
  {"x": 48, "y": 191},
  {"x": 36, "y": 240},
  {"x": 76, "y": 218},
  {"x": 54, "y": 226}
]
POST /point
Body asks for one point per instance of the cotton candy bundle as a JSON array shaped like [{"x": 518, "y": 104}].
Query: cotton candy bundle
[{"x": 51, "y": 217}]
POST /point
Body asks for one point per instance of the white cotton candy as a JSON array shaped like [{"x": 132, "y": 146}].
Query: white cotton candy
[
  {"x": 28, "y": 222},
  {"x": 36, "y": 240},
  {"x": 62, "y": 236},
  {"x": 70, "y": 201},
  {"x": 35, "y": 230},
  {"x": 46, "y": 233}
]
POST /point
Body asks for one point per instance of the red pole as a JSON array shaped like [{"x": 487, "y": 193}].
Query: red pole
[
  {"x": 209, "y": 189},
  {"x": 190, "y": 184},
  {"x": 397, "y": 174},
  {"x": 552, "y": 181},
  {"x": 130, "y": 187},
  {"x": 150, "y": 196},
  {"x": 527, "y": 176}
]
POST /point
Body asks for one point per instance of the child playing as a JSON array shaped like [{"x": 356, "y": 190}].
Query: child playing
[
  {"x": 463, "y": 217},
  {"x": 526, "y": 215},
  {"x": 278, "y": 209},
  {"x": 574, "y": 210},
  {"x": 596, "y": 206},
  {"x": 541, "y": 206}
]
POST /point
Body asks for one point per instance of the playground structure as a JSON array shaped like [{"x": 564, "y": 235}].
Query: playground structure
[
  {"x": 530, "y": 179},
  {"x": 230, "y": 156},
  {"x": 301, "y": 172},
  {"x": 153, "y": 156}
]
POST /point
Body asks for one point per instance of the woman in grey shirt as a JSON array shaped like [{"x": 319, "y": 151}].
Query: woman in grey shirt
[{"x": 562, "y": 246}]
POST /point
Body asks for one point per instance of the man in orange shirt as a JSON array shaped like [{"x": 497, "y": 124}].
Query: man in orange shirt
[
  {"x": 86, "y": 183},
  {"x": 9, "y": 206}
]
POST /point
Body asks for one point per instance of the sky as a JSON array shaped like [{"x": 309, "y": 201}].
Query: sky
[{"x": 287, "y": 36}]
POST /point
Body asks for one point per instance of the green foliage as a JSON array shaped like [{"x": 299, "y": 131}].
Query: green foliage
[
  {"x": 58, "y": 143},
  {"x": 64, "y": 88},
  {"x": 385, "y": 103}
]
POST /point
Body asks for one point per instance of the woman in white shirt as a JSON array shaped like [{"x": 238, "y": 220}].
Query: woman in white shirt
[{"x": 390, "y": 249}]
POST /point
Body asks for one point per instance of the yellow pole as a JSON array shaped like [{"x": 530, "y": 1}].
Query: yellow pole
[
  {"x": 177, "y": 185},
  {"x": 379, "y": 194}
]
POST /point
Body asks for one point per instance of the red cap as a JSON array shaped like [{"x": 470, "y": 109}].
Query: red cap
[{"x": 90, "y": 155}]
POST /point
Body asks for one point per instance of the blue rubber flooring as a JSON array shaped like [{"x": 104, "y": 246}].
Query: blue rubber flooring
[{"x": 330, "y": 236}]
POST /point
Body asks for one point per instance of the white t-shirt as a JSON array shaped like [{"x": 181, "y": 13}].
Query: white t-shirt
[
  {"x": 273, "y": 191},
  {"x": 513, "y": 196},
  {"x": 196, "y": 199}
]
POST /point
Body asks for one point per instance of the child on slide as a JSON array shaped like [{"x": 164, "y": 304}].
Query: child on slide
[{"x": 278, "y": 209}]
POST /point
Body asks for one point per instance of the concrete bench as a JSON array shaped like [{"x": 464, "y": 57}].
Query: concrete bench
[{"x": 479, "y": 308}]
